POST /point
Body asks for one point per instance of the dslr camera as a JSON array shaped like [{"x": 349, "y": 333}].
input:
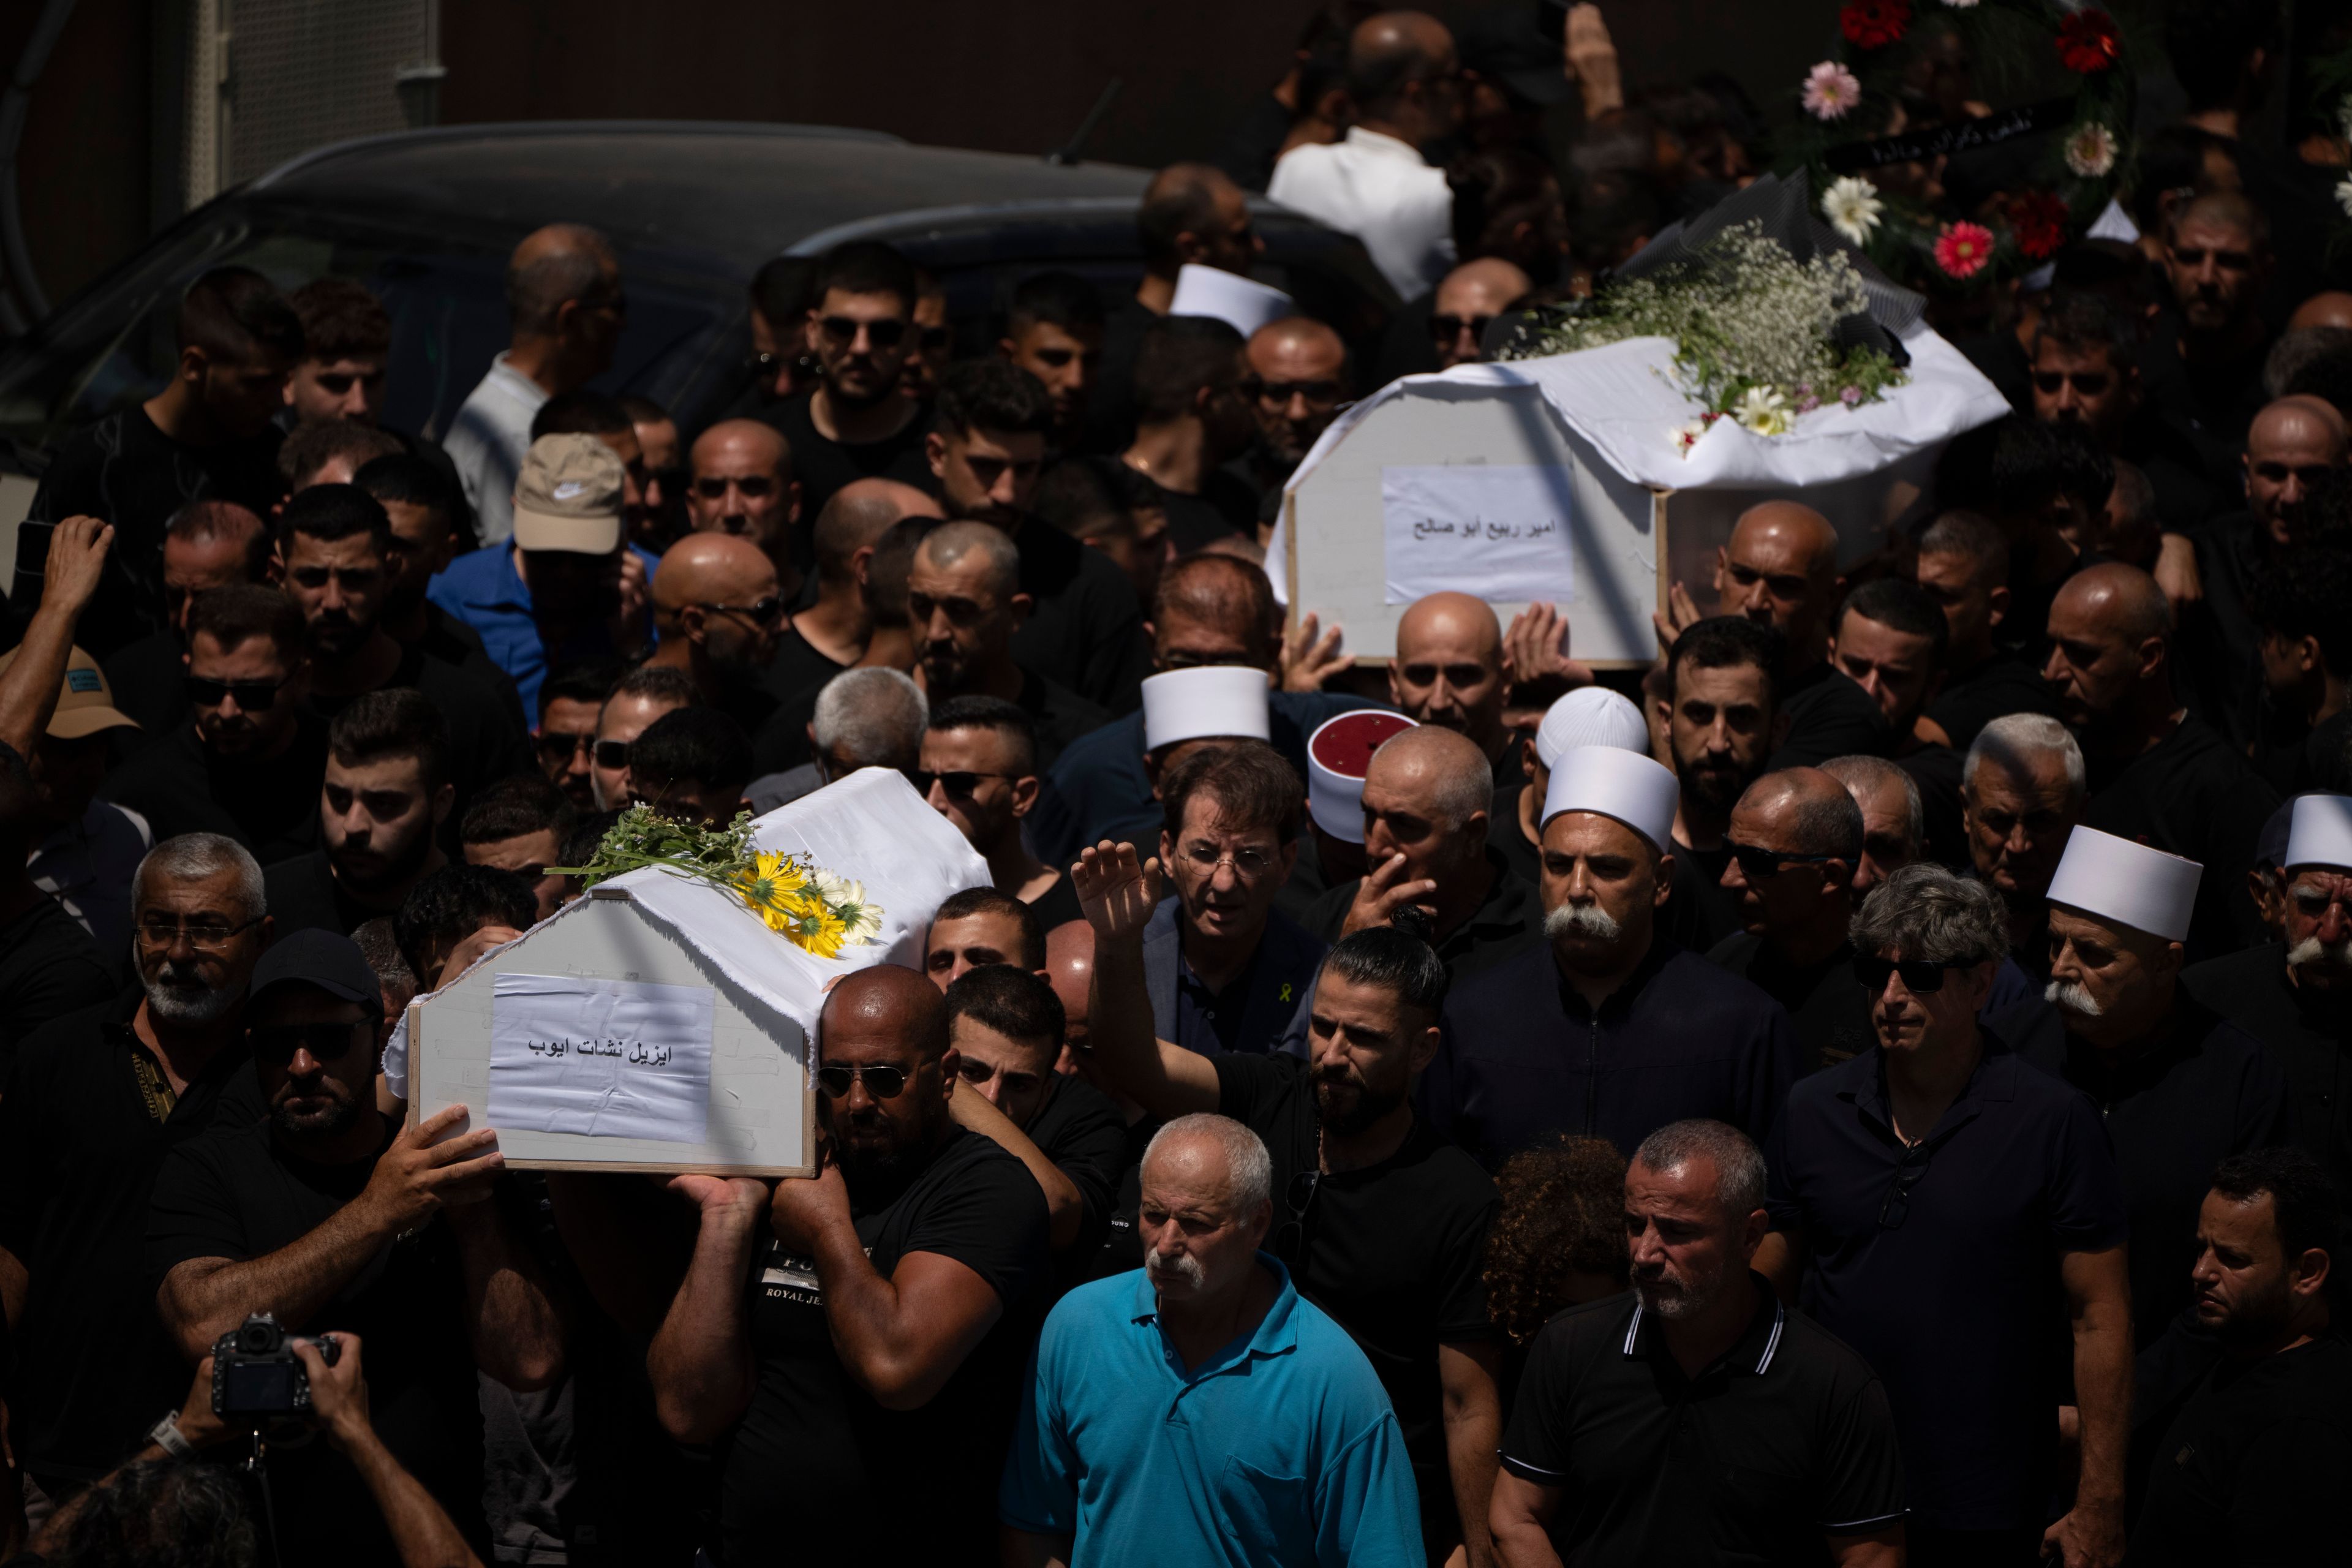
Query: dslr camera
[{"x": 256, "y": 1374}]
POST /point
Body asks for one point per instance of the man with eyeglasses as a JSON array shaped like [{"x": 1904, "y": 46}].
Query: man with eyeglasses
[
  {"x": 247, "y": 763},
  {"x": 92, "y": 1104},
  {"x": 1194, "y": 414},
  {"x": 206, "y": 544},
  {"x": 741, "y": 482},
  {"x": 2295, "y": 995},
  {"x": 1380, "y": 1222},
  {"x": 718, "y": 611},
  {"x": 1467, "y": 301},
  {"x": 1606, "y": 1026},
  {"x": 858, "y": 421},
  {"x": 1795, "y": 839},
  {"x": 636, "y": 699},
  {"x": 1298, "y": 380},
  {"x": 866, "y": 1327},
  {"x": 978, "y": 769},
  {"x": 332, "y": 1218},
  {"x": 1936, "y": 1202},
  {"x": 2180, "y": 1089},
  {"x": 564, "y": 301},
  {"x": 334, "y": 550},
  {"x": 966, "y": 609}
]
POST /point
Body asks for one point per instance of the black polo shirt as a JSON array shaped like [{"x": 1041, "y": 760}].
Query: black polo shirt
[
  {"x": 1829, "y": 715},
  {"x": 2308, "y": 1035},
  {"x": 1955, "y": 1300},
  {"x": 1785, "y": 1440},
  {"x": 2252, "y": 1470},
  {"x": 1524, "y": 1056},
  {"x": 798, "y": 667},
  {"x": 1393, "y": 1251},
  {"x": 2192, "y": 795},
  {"x": 79, "y": 1153},
  {"x": 1508, "y": 918},
  {"x": 1826, "y": 1003},
  {"x": 2176, "y": 1107}
]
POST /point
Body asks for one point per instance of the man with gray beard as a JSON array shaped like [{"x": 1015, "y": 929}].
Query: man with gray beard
[
  {"x": 2180, "y": 1089},
  {"x": 92, "y": 1105}
]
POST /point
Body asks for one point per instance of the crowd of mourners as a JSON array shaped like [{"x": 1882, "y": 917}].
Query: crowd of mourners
[{"x": 1876, "y": 1085}]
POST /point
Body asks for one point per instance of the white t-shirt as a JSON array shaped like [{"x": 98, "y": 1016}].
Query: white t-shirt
[{"x": 1378, "y": 189}]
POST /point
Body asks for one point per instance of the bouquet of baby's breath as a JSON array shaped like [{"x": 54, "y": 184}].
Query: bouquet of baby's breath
[
  {"x": 815, "y": 911},
  {"x": 1754, "y": 331}
]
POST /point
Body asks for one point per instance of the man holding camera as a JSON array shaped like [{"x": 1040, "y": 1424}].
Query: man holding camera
[{"x": 328, "y": 1218}]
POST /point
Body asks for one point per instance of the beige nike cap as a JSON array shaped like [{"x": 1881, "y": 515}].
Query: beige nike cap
[{"x": 569, "y": 496}]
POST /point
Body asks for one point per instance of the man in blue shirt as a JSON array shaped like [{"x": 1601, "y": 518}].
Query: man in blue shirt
[
  {"x": 1198, "y": 1412},
  {"x": 566, "y": 588}
]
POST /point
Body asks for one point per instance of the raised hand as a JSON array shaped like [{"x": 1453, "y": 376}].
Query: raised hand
[
  {"x": 1535, "y": 653},
  {"x": 1116, "y": 888},
  {"x": 1381, "y": 893},
  {"x": 1590, "y": 56},
  {"x": 1680, "y": 614},
  {"x": 1308, "y": 659},
  {"x": 78, "y": 547}
]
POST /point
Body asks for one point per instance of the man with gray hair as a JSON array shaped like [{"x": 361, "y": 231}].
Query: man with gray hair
[
  {"x": 94, "y": 1102},
  {"x": 2023, "y": 790},
  {"x": 1933, "y": 1201},
  {"x": 1620, "y": 1403},
  {"x": 564, "y": 297},
  {"x": 869, "y": 718},
  {"x": 1894, "y": 817},
  {"x": 1268, "y": 1386},
  {"x": 1795, "y": 839}
]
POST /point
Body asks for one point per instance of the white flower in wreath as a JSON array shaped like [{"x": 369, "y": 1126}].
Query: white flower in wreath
[
  {"x": 1852, "y": 205},
  {"x": 2090, "y": 152},
  {"x": 1686, "y": 436},
  {"x": 1764, "y": 410},
  {"x": 2344, "y": 196}
]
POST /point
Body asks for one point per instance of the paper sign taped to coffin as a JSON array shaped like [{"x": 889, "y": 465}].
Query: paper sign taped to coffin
[
  {"x": 601, "y": 1058},
  {"x": 1498, "y": 533}
]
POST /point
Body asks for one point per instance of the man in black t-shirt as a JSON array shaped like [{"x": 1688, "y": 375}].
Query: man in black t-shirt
[
  {"x": 49, "y": 966},
  {"x": 1194, "y": 414},
  {"x": 207, "y": 544},
  {"x": 1703, "y": 1421},
  {"x": 2253, "y": 1469},
  {"x": 1722, "y": 719},
  {"x": 208, "y": 435},
  {"x": 1963, "y": 563},
  {"x": 1795, "y": 839},
  {"x": 249, "y": 760},
  {"x": 329, "y": 1217},
  {"x": 382, "y": 803},
  {"x": 861, "y": 1366},
  {"x": 1381, "y": 1223},
  {"x": 966, "y": 609},
  {"x": 986, "y": 447}
]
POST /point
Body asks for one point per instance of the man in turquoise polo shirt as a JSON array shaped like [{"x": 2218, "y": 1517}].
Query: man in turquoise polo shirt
[{"x": 1198, "y": 1411}]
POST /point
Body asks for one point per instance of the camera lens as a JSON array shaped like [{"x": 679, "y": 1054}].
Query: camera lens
[{"x": 258, "y": 1339}]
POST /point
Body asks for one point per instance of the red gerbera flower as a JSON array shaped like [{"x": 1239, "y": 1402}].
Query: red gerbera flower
[
  {"x": 2038, "y": 220},
  {"x": 1963, "y": 249},
  {"x": 2088, "y": 42},
  {"x": 1874, "y": 23}
]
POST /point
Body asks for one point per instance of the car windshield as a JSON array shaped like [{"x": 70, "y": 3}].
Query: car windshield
[{"x": 115, "y": 346}]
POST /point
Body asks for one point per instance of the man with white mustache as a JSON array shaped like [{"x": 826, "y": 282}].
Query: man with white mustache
[
  {"x": 2180, "y": 1089},
  {"x": 1608, "y": 1027},
  {"x": 2296, "y": 995}
]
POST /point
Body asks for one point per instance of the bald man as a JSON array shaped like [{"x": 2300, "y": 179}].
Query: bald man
[
  {"x": 1298, "y": 378},
  {"x": 741, "y": 481},
  {"x": 717, "y": 609},
  {"x": 964, "y": 603},
  {"x": 896, "y": 1294},
  {"x": 2331, "y": 308},
  {"x": 2291, "y": 444},
  {"x": 833, "y": 634},
  {"x": 1406, "y": 82},
  {"x": 2158, "y": 774},
  {"x": 1450, "y": 671},
  {"x": 1780, "y": 569},
  {"x": 1471, "y": 295},
  {"x": 1428, "y": 800},
  {"x": 1796, "y": 838},
  {"x": 565, "y": 305}
]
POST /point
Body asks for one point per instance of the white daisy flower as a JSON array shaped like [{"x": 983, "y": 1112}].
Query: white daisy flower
[
  {"x": 1764, "y": 410},
  {"x": 1851, "y": 206},
  {"x": 2091, "y": 151}
]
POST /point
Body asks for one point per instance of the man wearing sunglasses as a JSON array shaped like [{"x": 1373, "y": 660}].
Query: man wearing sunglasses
[
  {"x": 93, "y": 1103},
  {"x": 1467, "y": 303},
  {"x": 1795, "y": 838},
  {"x": 569, "y": 704},
  {"x": 858, "y": 421},
  {"x": 249, "y": 762},
  {"x": 717, "y": 609},
  {"x": 206, "y": 544},
  {"x": 1935, "y": 1198},
  {"x": 1380, "y": 1223},
  {"x": 979, "y": 770},
  {"x": 1300, "y": 379},
  {"x": 876, "y": 1327},
  {"x": 742, "y": 483},
  {"x": 332, "y": 1218}
]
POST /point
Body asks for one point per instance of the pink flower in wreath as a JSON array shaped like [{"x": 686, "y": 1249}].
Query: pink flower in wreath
[
  {"x": 1831, "y": 90},
  {"x": 1963, "y": 249}
]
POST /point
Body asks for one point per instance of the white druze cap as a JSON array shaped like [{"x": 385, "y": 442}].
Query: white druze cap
[
  {"x": 1226, "y": 699},
  {"x": 1627, "y": 785},
  {"x": 2113, "y": 878},
  {"x": 1338, "y": 755},
  {"x": 2321, "y": 832},
  {"x": 1591, "y": 716}
]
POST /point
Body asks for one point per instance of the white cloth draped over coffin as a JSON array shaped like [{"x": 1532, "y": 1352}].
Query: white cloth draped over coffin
[{"x": 871, "y": 827}]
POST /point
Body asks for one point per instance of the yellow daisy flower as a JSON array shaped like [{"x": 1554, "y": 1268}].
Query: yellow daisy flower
[
  {"x": 819, "y": 933},
  {"x": 777, "y": 891}
]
